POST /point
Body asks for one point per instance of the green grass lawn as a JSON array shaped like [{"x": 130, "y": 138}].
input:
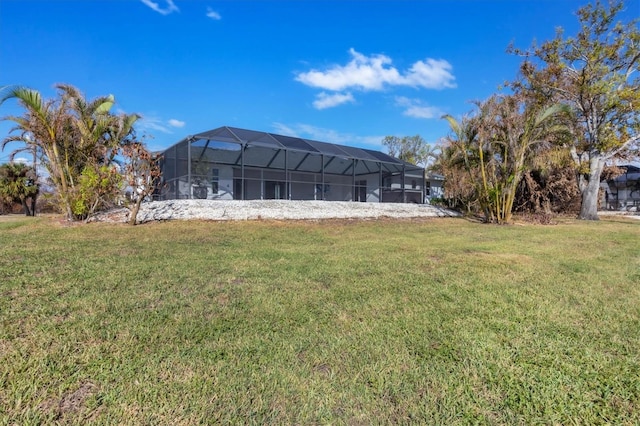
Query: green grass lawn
[{"x": 438, "y": 321}]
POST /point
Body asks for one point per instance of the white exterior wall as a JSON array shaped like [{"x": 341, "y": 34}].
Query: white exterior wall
[
  {"x": 373, "y": 187},
  {"x": 225, "y": 184}
]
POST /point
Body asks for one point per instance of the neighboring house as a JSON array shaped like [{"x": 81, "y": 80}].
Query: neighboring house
[
  {"x": 623, "y": 192},
  {"x": 228, "y": 163},
  {"x": 435, "y": 186}
]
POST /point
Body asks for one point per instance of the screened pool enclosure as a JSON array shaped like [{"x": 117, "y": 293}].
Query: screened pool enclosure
[{"x": 237, "y": 164}]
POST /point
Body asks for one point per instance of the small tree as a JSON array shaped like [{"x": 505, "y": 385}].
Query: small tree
[
  {"x": 142, "y": 171},
  {"x": 17, "y": 185},
  {"x": 412, "y": 149},
  {"x": 96, "y": 187}
]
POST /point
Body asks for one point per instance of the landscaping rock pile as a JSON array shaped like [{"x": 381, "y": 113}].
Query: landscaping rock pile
[{"x": 272, "y": 209}]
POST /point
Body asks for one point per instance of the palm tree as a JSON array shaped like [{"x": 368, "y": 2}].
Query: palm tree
[
  {"x": 466, "y": 150},
  {"x": 69, "y": 134},
  {"x": 515, "y": 125},
  {"x": 43, "y": 128},
  {"x": 495, "y": 147},
  {"x": 17, "y": 184}
]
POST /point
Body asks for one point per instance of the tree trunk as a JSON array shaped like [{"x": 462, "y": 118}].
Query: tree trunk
[
  {"x": 134, "y": 211},
  {"x": 63, "y": 190},
  {"x": 25, "y": 206},
  {"x": 590, "y": 190}
]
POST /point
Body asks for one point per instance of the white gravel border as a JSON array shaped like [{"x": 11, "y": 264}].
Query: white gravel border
[{"x": 272, "y": 209}]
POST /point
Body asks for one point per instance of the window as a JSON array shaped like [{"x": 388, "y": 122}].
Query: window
[
  {"x": 215, "y": 180},
  {"x": 414, "y": 184}
]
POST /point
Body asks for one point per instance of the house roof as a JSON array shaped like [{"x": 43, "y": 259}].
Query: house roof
[
  {"x": 271, "y": 140},
  {"x": 631, "y": 174},
  {"x": 629, "y": 168}
]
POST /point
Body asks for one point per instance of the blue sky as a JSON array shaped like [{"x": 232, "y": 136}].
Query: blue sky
[{"x": 349, "y": 72}]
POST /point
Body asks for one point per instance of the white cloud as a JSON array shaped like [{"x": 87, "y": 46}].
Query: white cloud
[
  {"x": 373, "y": 73},
  {"x": 170, "y": 7},
  {"x": 151, "y": 123},
  {"x": 415, "y": 108},
  {"x": 283, "y": 129},
  {"x": 432, "y": 74},
  {"x": 324, "y": 100},
  {"x": 423, "y": 112},
  {"x": 327, "y": 135},
  {"x": 176, "y": 123},
  {"x": 213, "y": 14}
]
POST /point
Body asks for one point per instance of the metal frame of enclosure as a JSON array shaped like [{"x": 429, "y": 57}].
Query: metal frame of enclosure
[
  {"x": 623, "y": 192},
  {"x": 238, "y": 164}
]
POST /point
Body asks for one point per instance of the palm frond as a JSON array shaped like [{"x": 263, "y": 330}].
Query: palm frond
[
  {"x": 29, "y": 97},
  {"x": 104, "y": 104},
  {"x": 551, "y": 111},
  {"x": 453, "y": 123}
]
